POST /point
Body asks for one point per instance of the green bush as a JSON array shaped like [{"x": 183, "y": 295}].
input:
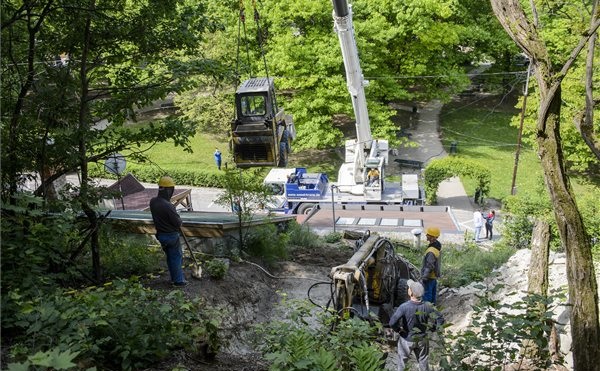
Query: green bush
[
  {"x": 439, "y": 170},
  {"x": 123, "y": 326},
  {"x": 520, "y": 214},
  {"x": 333, "y": 237},
  {"x": 36, "y": 246},
  {"x": 124, "y": 255},
  {"x": 461, "y": 264},
  {"x": 302, "y": 236},
  {"x": 590, "y": 212},
  {"x": 216, "y": 268},
  {"x": 266, "y": 242}
]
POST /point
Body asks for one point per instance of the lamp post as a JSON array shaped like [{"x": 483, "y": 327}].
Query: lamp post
[{"x": 333, "y": 205}]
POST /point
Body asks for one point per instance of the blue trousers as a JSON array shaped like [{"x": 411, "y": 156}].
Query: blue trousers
[
  {"x": 172, "y": 248},
  {"x": 430, "y": 293}
]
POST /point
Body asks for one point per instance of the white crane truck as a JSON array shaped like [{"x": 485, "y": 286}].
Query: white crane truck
[{"x": 361, "y": 176}]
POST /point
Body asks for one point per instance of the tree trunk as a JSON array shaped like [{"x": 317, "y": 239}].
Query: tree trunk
[
  {"x": 84, "y": 123},
  {"x": 583, "y": 296},
  {"x": 537, "y": 277},
  {"x": 537, "y": 283}
]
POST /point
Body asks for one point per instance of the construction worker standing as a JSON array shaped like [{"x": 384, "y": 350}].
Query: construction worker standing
[
  {"x": 414, "y": 319},
  {"x": 430, "y": 271},
  {"x": 168, "y": 223}
]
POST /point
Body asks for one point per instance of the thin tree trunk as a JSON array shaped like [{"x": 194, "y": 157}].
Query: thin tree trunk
[
  {"x": 33, "y": 27},
  {"x": 537, "y": 277},
  {"x": 83, "y": 128},
  {"x": 537, "y": 283}
]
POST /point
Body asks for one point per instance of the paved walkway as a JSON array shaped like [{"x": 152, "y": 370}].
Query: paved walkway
[{"x": 426, "y": 134}]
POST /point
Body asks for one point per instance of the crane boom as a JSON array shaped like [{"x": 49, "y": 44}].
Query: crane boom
[
  {"x": 342, "y": 18},
  {"x": 364, "y": 156}
]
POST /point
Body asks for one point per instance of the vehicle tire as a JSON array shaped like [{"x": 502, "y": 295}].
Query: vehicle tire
[
  {"x": 282, "y": 157},
  {"x": 306, "y": 208}
]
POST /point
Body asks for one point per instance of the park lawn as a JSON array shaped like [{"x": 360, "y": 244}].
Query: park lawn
[
  {"x": 486, "y": 137},
  {"x": 169, "y": 157}
]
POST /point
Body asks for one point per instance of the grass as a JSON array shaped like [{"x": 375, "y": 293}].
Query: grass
[
  {"x": 485, "y": 136},
  {"x": 167, "y": 156},
  {"x": 462, "y": 264}
]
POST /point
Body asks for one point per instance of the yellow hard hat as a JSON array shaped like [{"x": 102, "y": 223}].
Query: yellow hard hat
[
  {"x": 166, "y": 181},
  {"x": 432, "y": 231}
]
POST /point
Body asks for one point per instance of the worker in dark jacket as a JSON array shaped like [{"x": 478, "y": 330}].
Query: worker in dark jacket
[
  {"x": 430, "y": 271},
  {"x": 168, "y": 223},
  {"x": 413, "y": 320}
]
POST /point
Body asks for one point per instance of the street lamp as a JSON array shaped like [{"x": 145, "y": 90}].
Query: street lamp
[{"x": 333, "y": 205}]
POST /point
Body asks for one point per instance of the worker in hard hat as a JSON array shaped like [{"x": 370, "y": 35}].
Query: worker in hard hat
[
  {"x": 168, "y": 223},
  {"x": 430, "y": 271}
]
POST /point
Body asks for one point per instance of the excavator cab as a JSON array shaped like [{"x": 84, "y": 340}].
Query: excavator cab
[{"x": 261, "y": 133}]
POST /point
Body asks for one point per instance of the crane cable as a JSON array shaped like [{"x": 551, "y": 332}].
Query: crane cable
[
  {"x": 242, "y": 24},
  {"x": 261, "y": 45}
]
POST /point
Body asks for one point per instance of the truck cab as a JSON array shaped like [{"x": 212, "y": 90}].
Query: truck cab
[{"x": 261, "y": 133}]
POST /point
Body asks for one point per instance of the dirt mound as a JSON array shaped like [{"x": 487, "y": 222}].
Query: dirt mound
[{"x": 248, "y": 295}]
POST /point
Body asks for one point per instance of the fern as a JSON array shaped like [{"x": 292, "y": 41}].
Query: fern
[
  {"x": 366, "y": 358},
  {"x": 325, "y": 361}
]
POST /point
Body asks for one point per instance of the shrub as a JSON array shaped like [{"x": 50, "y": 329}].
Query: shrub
[
  {"x": 36, "y": 246},
  {"x": 333, "y": 237},
  {"x": 127, "y": 254},
  {"x": 470, "y": 264},
  {"x": 122, "y": 326},
  {"x": 216, "y": 268},
  {"x": 462, "y": 265},
  {"x": 266, "y": 242},
  {"x": 521, "y": 211},
  {"x": 300, "y": 235},
  {"x": 440, "y": 169}
]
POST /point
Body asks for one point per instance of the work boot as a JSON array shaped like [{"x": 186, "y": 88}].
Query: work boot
[{"x": 180, "y": 284}]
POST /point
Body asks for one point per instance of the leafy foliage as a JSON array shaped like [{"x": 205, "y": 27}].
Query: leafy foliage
[
  {"x": 301, "y": 235},
  {"x": 36, "y": 246},
  {"x": 440, "y": 169},
  {"x": 216, "y": 268},
  {"x": 304, "y": 341},
  {"x": 267, "y": 243},
  {"x": 53, "y": 359},
  {"x": 333, "y": 237},
  {"x": 125, "y": 255},
  {"x": 462, "y": 264},
  {"x": 245, "y": 195},
  {"x": 501, "y": 334},
  {"x": 121, "y": 326}
]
